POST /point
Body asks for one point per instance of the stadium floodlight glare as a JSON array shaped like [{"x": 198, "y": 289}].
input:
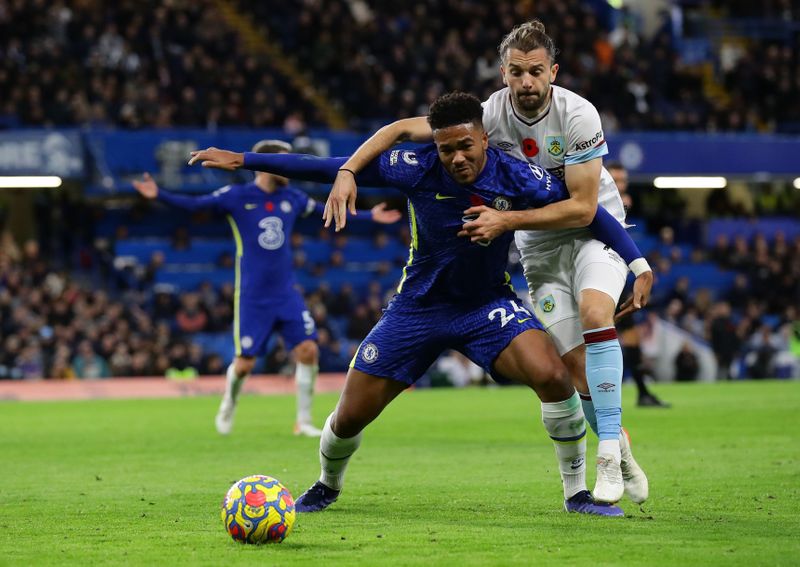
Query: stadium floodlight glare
[
  {"x": 690, "y": 182},
  {"x": 796, "y": 183},
  {"x": 29, "y": 182}
]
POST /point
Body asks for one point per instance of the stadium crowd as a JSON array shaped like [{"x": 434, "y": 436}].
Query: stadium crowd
[
  {"x": 55, "y": 324},
  {"x": 754, "y": 325},
  {"x": 159, "y": 64},
  {"x": 133, "y": 64}
]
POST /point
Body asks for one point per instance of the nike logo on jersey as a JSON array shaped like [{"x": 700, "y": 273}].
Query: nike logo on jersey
[
  {"x": 250, "y": 206},
  {"x": 440, "y": 197},
  {"x": 523, "y": 320}
]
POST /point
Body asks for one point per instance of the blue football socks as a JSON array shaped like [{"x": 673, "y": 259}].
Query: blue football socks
[{"x": 604, "y": 376}]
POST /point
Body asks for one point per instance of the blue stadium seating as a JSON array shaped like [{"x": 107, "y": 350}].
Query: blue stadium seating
[
  {"x": 749, "y": 228},
  {"x": 200, "y": 251}
]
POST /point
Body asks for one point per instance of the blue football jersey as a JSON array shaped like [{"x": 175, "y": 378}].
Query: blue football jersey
[
  {"x": 443, "y": 266},
  {"x": 262, "y": 224}
]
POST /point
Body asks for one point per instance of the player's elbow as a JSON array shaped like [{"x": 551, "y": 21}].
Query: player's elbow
[{"x": 585, "y": 213}]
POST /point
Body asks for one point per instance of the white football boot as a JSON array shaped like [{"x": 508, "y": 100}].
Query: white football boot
[
  {"x": 306, "y": 430},
  {"x": 609, "y": 487},
  {"x": 636, "y": 485}
]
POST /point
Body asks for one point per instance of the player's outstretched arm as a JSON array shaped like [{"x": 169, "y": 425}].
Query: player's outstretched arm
[
  {"x": 379, "y": 213},
  {"x": 146, "y": 187},
  {"x": 342, "y": 197},
  {"x": 295, "y": 166},
  {"x": 217, "y": 159}
]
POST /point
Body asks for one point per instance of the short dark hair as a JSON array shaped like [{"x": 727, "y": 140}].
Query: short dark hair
[
  {"x": 455, "y": 108},
  {"x": 614, "y": 165},
  {"x": 527, "y": 37},
  {"x": 271, "y": 147}
]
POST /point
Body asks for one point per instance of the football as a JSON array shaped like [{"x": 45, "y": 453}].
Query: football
[{"x": 258, "y": 509}]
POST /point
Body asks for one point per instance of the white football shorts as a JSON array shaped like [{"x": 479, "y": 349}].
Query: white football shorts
[{"x": 557, "y": 273}]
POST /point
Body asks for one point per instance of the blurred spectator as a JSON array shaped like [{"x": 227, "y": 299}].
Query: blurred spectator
[
  {"x": 191, "y": 317},
  {"x": 180, "y": 367},
  {"x": 330, "y": 354},
  {"x": 686, "y": 364},
  {"x": 89, "y": 365},
  {"x": 724, "y": 339},
  {"x": 760, "y": 361}
]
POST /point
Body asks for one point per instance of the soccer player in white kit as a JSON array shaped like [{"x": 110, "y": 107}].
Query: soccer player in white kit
[{"x": 575, "y": 281}]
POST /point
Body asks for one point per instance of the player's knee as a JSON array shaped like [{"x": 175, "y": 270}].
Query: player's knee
[
  {"x": 554, "y": 378},
  {"x": 594, "y": 316},
  {"x": 244, "y": 365},
  {"x": 346, "y": 423},
  {"x": 307, "y": 352}
]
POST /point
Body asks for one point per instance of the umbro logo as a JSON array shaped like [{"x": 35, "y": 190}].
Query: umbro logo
[
  {"x": 606, "y": 387},
  {"x": 506, "y": 146}
]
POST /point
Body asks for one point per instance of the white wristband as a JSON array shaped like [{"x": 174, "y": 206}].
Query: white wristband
[{"x": 639, "y": 266}]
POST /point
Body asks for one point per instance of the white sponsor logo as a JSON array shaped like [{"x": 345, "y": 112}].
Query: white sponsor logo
[
  {"x": 410, "y": 158},
  {"x": 247, "y": 341},
  {"x": 273, "y": 236},
  {"x": 538, "y": 172}
]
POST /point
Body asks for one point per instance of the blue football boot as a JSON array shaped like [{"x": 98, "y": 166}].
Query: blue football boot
[
  {"x": 316, "y": 498},
  {"x": 583, "y": 503}
]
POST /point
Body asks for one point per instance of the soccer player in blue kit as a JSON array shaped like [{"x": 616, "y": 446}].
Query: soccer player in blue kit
[
  {"x": 454, "y": 293},
  {"x": 262, "y": 214}
]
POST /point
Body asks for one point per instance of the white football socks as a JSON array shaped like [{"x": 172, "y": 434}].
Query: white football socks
[
  {"x": 305, "y": 376},
  {"x": 234, "y": 383},
  {"x": 564, "y": 422},
  {"x": 334, "y": 454}
]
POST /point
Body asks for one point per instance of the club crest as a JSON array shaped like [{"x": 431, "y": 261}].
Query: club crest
[{"x": 501, "y": 204}]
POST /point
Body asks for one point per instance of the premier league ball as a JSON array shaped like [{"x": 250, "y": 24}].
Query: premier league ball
[{"x": 258, "y": 509}]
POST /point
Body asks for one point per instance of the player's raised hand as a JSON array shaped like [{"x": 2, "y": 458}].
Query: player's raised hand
[
  {"x": 341, "y": 199},
  {"x": 382, "y": 215},
  {"x": 217, "y": 159},
  {"x": 640, "y": 296},
  {"x": 485, "y": 224},
  {"x": 147, "y": 187}
]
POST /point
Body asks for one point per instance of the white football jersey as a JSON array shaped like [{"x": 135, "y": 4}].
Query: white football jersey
[{"x": 568, "y": 132}]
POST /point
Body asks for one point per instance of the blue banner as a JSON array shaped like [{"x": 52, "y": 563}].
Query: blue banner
[
  {"x": 42, "y": 152},
  {"x": 110, "y": 159},
  {"x": 676, "y": 153}
]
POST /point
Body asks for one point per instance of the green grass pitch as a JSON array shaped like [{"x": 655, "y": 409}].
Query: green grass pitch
[{"x": 443, "y": 477}]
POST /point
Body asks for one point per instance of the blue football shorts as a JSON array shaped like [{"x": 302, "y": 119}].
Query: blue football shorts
[
  {"x": 257, "y": 320},
  {"x": 410, "y": 336}
]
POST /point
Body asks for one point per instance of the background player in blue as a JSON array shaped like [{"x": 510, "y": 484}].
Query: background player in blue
[
  {"x": 454, "y": 293},
  {"x": 262, "y": 214}
]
